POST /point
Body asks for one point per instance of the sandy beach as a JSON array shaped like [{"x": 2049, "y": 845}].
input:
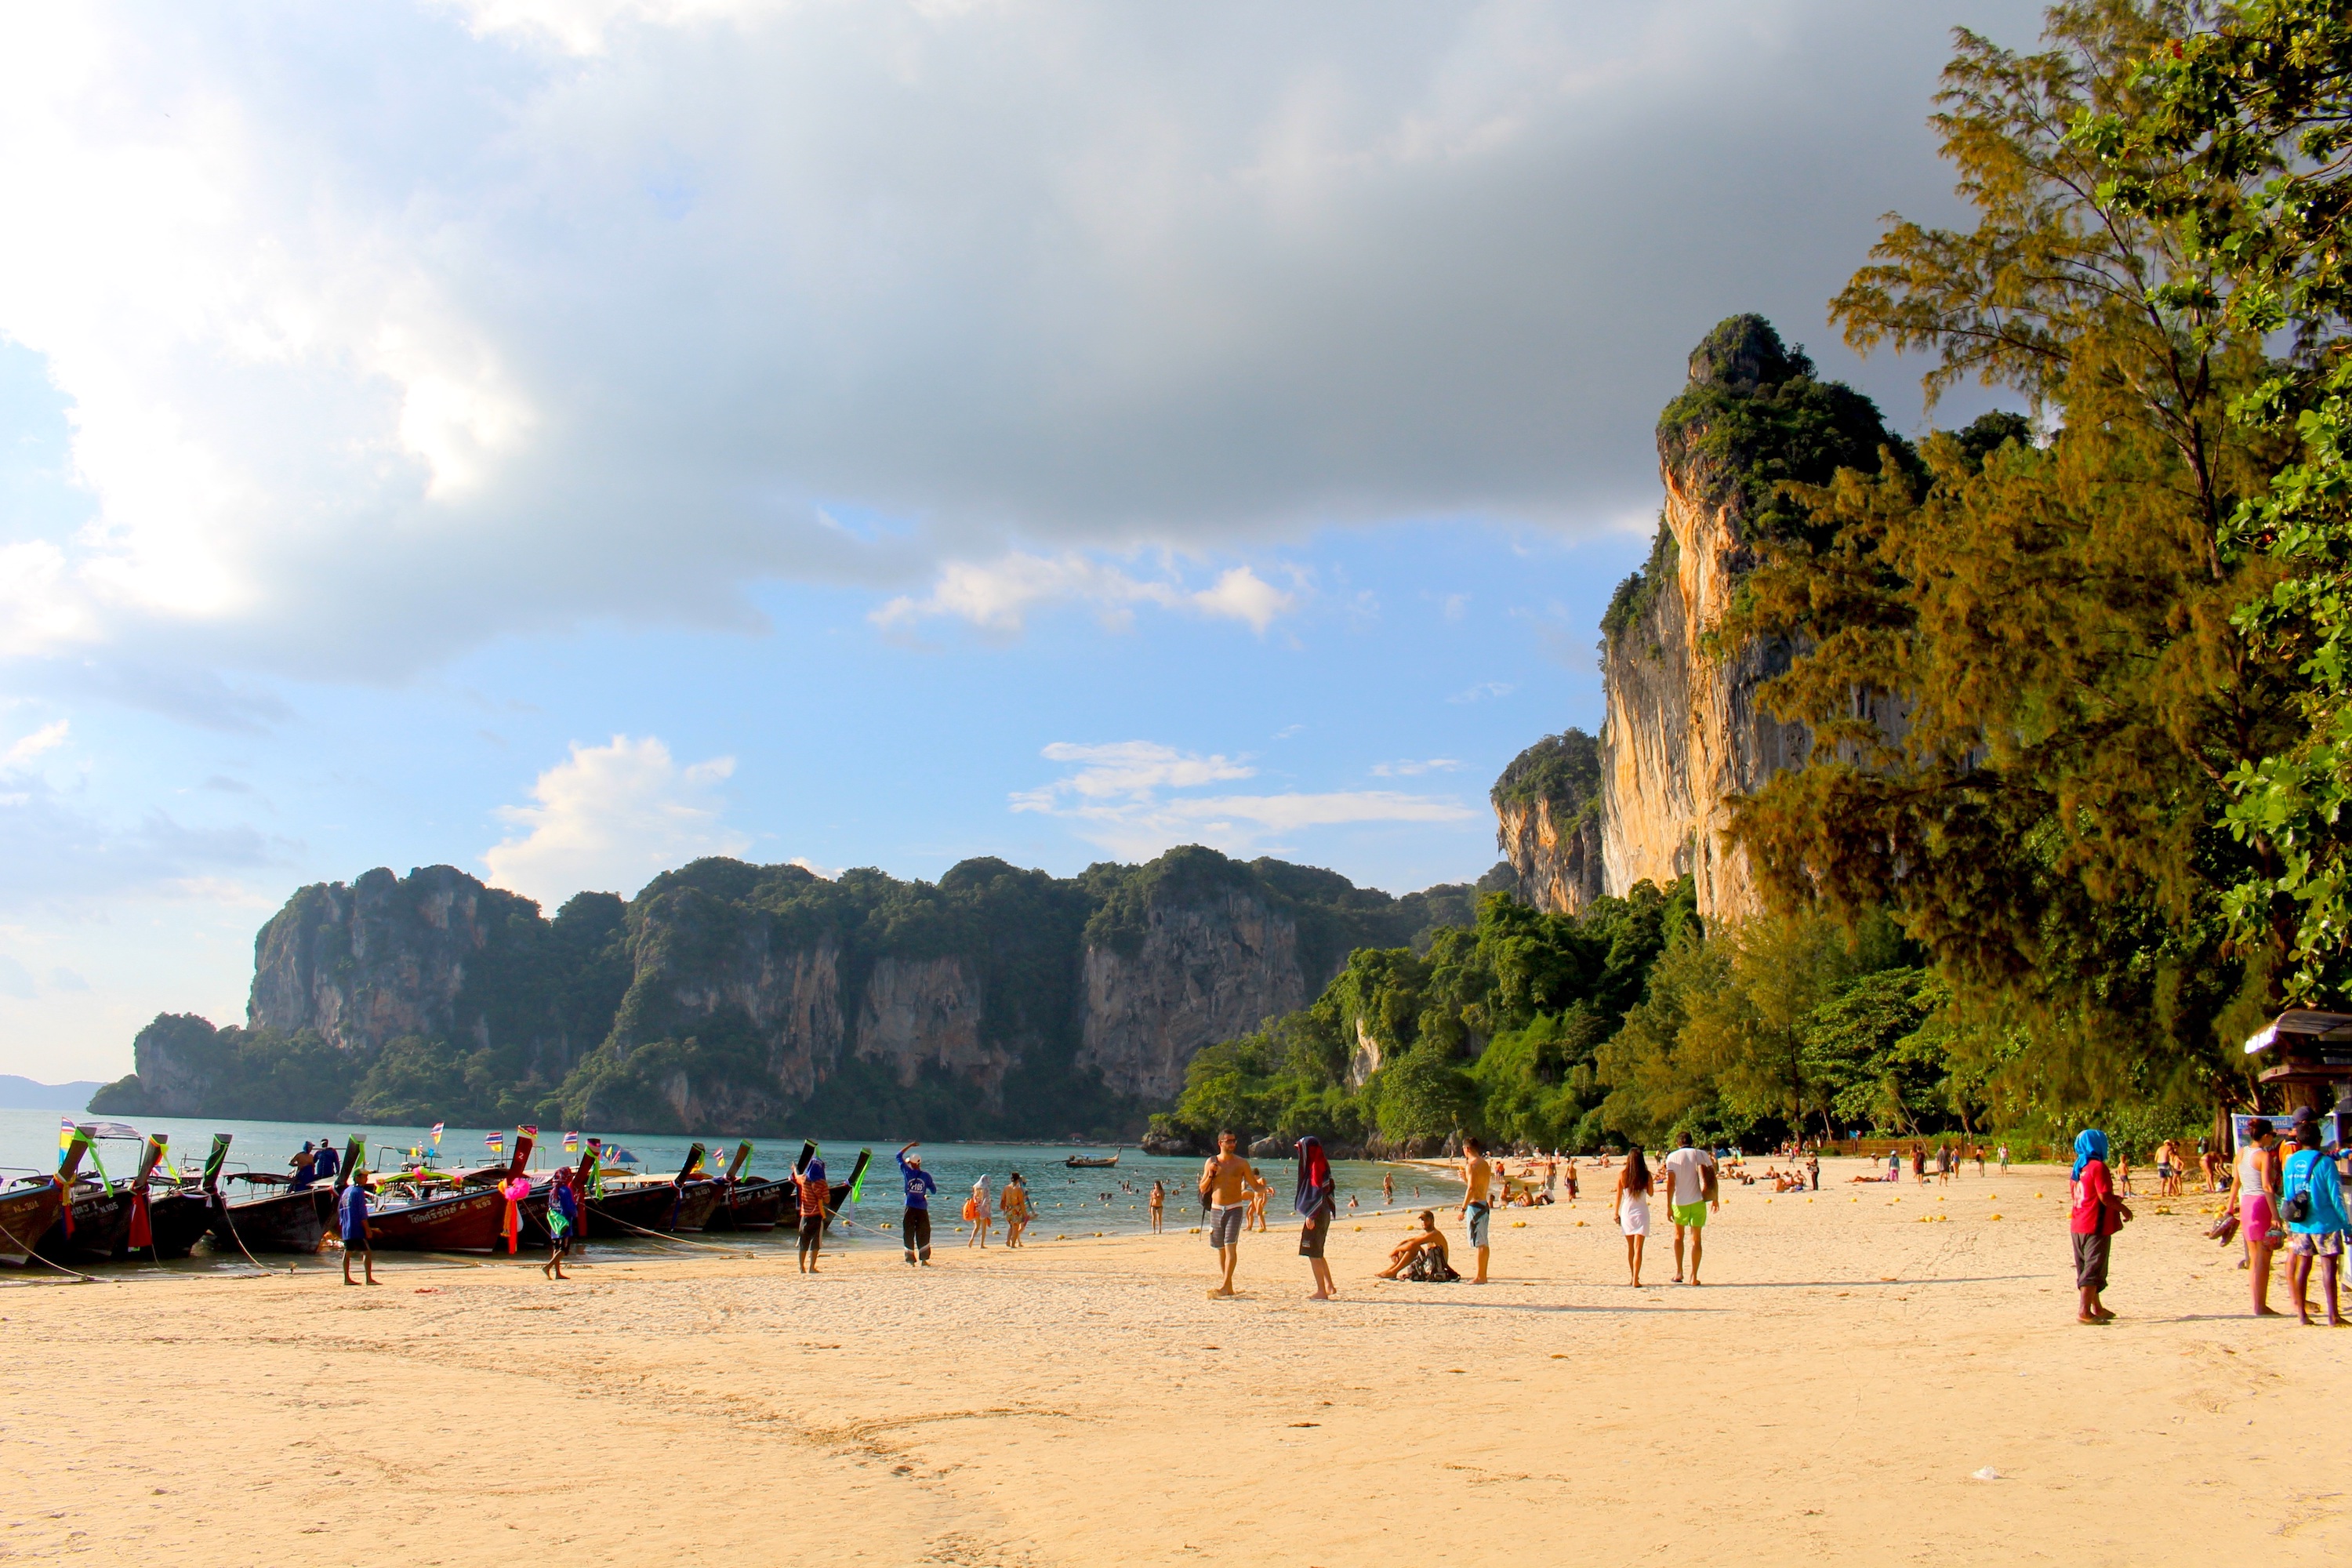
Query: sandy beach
[{"x": 1827, "y": 1397}]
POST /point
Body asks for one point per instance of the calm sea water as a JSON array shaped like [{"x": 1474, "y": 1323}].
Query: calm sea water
[{"x": 1068, "y": 1202}]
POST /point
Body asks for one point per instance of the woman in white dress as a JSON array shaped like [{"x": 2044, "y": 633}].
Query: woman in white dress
[{"x": 1633, "y": 1210}]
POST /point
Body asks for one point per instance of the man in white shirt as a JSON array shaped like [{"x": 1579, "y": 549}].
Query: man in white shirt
[{"x": 1688, "y": 1176}]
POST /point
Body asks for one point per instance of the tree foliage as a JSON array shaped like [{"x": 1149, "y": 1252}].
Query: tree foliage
[{"x": 2055, "y": 620}]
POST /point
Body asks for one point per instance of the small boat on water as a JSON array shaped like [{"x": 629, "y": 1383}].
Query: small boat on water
[
  {"x": 31, "y": 1206},
  {"x": 1093, "y": 1162},
  {"x": 292, "y": 1220}
]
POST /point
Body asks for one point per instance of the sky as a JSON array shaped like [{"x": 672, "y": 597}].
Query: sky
[{"x": 558, "y": 439}]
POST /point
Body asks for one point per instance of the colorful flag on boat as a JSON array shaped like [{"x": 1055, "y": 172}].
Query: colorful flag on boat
[
  {"x": 571, "y": 1143},
  {"x": 495, "y": 1142},
  {"x": 436, "y": 1135},
  {"x": 65, "y": 1133}
]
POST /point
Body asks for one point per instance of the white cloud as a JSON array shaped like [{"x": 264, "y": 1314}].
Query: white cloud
[
  {"x": 64, "y": 979},
  {"x": 56, "y": 854},
  {"x": 1000, "y": 595},
  {"x": 1409, "y": 768},
  {"x": 1485, "y": 691},
  {"x": 609, "y": 818},
  {"x": 15, "y": 980},
  {"x": 46, "y": 738},
  {"x": 1121, "y": 797},
  {"x": 391, "y": 330}
]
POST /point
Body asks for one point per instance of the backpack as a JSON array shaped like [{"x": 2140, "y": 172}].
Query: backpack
[
  {"x": 2296, "y": 1209},
  {"x": 1430, "y": 1268}
]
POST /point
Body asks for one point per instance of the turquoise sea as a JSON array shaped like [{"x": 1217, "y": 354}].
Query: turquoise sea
[{"x": 1068, "y": 1202}]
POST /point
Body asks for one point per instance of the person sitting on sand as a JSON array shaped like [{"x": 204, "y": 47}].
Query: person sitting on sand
[{"x": 1428, "y": 1239}]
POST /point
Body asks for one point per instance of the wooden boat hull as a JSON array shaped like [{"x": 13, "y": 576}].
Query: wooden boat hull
[
  {"x": 102, "y": 1224},
  {"x": 1074, "y": 1164},
  {"x": 474, "y": 1221},
  {"x": 282, "y": 1222},
  {"x": 750, "y": 1205},
  {"x": 176, "y": 1221},
  {"x": 26, "y": 1217},
  {"x": 657, "y": 1206}
]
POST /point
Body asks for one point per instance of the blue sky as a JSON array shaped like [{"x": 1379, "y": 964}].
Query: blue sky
[{"x": 558, "y": 437}]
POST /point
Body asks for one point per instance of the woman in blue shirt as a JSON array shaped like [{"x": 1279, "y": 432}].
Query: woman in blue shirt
[{"x": 2310, "y": 1172}]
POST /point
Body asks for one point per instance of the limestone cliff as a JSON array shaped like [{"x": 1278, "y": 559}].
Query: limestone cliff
[
  {"x": 363, "y": 964},
  {"x": 1206, "y": 968},
  {"x": 1684, "y": 728},
  {"x": 729, "y": 998},
  {"x": 1547, "y": 805}
]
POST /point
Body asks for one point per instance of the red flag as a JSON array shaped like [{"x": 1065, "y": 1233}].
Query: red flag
[{"x": 141, "y": 1234}]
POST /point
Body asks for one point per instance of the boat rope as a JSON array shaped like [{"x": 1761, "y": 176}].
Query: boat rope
[
  {"x": 658, "y": 1235},
  {"x": 229, "y": 1221},
  {"x": 74, "y": 1273}
]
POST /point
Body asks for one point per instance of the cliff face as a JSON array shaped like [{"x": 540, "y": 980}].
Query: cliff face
[
  {"x": 1558, "y": 867},
  {"x": 1204, "y": 971},
  {"x": 1548, "y": 806},
  {"x": 729, "y": 998},
  {"x": 366, "y": 963},
  {"x": 1684, "y": 728}
]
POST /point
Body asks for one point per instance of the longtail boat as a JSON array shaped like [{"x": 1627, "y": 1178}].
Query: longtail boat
[
  {"x": 286, "y": 1221},
  {"x": 118, "y": 1222},
  {"x": 748, "y": 1205},
  {"x": 29, "y": 1207},
  {"x": 473, "y": 1219},
  {"x": 94, "y": 1223},
  {"x": 683, "y": 1203},
  {"x": 1094, "y": 1163}
]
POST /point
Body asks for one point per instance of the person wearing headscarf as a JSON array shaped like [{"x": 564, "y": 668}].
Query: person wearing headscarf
[
  {"x": 815, "y": 1192},
  {"x": 2098, "y": 1214},
  {"x": 1316, "y": 1200}
]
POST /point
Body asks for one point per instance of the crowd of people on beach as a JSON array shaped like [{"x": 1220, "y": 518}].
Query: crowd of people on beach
[{"x": 2285, "y": 1196}]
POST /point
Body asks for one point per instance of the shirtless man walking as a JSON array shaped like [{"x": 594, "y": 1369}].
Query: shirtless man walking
[
  {"x": 1228, "y": 1182},
  {"x": 1478, "y": 1199}
]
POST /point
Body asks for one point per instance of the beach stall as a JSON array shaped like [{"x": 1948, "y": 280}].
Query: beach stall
[{"x": 2305, "y": 1058}]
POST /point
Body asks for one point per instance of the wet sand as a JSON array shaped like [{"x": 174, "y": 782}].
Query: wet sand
[{"x": 1825, "y": 1397}]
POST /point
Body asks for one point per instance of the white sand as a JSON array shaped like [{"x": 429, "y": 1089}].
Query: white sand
[{"x": 1824, "y": 1398}]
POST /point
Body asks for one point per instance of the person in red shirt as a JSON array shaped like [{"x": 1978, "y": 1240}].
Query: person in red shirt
[{"x": 2098, "y": 1214}]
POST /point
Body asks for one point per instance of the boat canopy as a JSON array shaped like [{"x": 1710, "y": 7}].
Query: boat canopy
[{"x": 2294, "y": 1032}]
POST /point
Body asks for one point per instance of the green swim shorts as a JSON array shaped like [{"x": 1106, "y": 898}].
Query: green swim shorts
[{"x": 1691, "y": 1214}]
